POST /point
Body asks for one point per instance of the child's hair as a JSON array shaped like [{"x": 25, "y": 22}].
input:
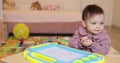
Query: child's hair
[{"x": 91, "y": 10}]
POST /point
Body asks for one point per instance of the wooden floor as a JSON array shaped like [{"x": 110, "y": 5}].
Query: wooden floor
[{"x": 114, "y": 33}]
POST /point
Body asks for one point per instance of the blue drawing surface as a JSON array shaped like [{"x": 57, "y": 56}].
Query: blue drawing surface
[{"x": 60, "y": 54}]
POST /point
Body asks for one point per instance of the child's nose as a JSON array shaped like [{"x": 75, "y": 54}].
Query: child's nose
[{"x": 98, "y": 26}]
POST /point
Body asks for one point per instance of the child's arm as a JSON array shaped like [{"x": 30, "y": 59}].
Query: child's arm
[{"x": 101, "y": 47}]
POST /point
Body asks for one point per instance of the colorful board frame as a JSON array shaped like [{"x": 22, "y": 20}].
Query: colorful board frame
[{"x": 54, "y": 53}]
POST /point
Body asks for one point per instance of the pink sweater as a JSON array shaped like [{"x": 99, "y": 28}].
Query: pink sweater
[{"x": 101, "y": 41}]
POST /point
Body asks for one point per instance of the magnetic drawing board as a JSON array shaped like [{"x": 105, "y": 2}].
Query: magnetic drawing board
[{"x": 53, "y": 53}]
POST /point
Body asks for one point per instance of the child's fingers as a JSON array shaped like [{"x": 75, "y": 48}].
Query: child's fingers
[{"x": 86, "y": 43}]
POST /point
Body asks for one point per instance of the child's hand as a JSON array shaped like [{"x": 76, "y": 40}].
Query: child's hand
[{"x": 85, "y": 41}]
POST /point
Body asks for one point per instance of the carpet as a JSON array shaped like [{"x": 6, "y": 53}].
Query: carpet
[{"x": 12, "y": 45}]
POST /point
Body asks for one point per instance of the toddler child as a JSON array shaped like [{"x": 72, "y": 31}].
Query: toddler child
[{"x": 91, "y": 36}]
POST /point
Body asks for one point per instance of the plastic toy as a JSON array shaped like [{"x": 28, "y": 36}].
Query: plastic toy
[
  {"x": 54, "y": 53},
  {"x": 21, "y": 30},
  {"x": 21, "y": 40}
]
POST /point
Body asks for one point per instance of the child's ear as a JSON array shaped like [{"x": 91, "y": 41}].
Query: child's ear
[{"x": 83, "y": 23}]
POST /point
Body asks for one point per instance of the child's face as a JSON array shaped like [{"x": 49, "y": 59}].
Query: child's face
[{"x": 95, "y": 24}]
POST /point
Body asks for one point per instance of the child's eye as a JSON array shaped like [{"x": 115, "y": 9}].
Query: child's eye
[
  {"x": 101, "y": 23},
  {"x": 93, "y": 23}
]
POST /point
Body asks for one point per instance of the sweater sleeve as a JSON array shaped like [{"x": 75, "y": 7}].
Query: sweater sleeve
[
  {"x": 101, "y": 47},
  {"x": 74, "y": 41}
]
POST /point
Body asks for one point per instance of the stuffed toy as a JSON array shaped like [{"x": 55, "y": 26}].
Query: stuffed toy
[
  {"x": 36, "y": 6},
  {"x": 8, "y": 4}
]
